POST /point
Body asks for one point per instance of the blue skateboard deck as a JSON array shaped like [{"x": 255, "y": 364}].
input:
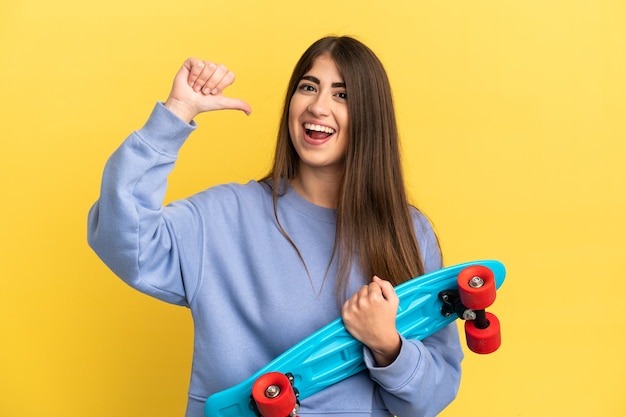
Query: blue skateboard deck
[{"x": 331, "y": 354}]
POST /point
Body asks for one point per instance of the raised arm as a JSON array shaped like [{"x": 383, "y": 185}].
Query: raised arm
[{"x": 155, "y": 248}]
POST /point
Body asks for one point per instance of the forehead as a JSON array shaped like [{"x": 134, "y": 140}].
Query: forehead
[{"x": 324, "y": 66}]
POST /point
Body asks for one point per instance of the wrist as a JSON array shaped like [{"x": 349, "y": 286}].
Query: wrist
[
  {"x": 387, "y": 355},
  {"x": 181, "y": 109}
]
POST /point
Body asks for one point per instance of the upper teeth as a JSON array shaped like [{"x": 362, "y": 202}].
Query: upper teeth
[{"x": 318, "y": 128}]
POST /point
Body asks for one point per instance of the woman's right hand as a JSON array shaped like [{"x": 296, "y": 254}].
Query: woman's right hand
[{"x": 198, "y": 88}]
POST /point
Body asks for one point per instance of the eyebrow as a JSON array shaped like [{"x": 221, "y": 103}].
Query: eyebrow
[{"x": 317, "y": 81}]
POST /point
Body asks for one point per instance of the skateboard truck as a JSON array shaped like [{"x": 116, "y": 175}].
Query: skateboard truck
[
  {"x": 452, "y": 305},
  {"x": 476, "y": 291}
]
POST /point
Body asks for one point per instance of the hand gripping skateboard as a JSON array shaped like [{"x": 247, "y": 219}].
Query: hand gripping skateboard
[{"x": 428, "y": 303}]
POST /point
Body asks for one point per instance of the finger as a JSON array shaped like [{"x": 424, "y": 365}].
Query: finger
[
  {"x": 382, "y": 283},
  {"x": 227, "y": 80},
  {"x": 235, "y": 104},
  {"x": 194, "y": 67},
  {"x": 387, "y": 290},
  {"x": 217, "y": 74},
  {"x": 374, "y": 294},
  {"x": 353, "y": 302},
  {"x": 206, "y": 71}
]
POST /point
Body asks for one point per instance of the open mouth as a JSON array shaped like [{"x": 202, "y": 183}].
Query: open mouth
[{"x": 317, "y": 131}]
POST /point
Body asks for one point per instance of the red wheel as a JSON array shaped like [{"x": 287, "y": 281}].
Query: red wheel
[
  {"x": 485, "y": 340},
  {"x": 274, "y": 395},
  {"x": 477, "y": 287}
]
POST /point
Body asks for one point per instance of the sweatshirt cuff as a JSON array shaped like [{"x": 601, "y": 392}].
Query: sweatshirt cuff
[
  {"x": 165, "y": 131},
  {"x": 400, "y": 371}
]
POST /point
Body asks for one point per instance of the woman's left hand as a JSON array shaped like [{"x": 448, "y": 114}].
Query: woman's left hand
[{"x": 370, "y": 317}]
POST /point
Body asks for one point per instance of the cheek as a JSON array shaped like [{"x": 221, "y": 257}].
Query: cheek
[
  {"x": 293, "y": 115},
  {"x": 345, "y": 123},
  {"x": 297, "y": 104},
  {"x": 345, "y": 130},
  {"x": 345, "y": 117}
]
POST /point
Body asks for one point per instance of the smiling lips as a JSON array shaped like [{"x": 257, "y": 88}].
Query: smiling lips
[{"x": 318, "y": 132}]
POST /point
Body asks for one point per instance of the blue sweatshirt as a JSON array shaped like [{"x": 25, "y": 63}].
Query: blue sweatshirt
[{"x": 221, "y": 254}]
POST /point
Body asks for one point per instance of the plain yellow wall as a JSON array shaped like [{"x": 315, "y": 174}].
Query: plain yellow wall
[{"x": 512, "y": 116}]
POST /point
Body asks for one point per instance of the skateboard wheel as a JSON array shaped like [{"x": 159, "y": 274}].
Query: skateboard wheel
[
  {"x": 477, "y": 287},
  {"x": 485, "y": 340},
  {"x": 274, "y": 395}
]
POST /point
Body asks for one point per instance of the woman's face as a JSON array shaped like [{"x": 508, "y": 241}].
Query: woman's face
[{"x": 318, "y": 117}]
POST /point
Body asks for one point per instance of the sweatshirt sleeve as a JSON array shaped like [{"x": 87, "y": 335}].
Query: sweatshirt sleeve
[
  {"x": 426, "y": 376},
  {"x": 129, "y": 228}
]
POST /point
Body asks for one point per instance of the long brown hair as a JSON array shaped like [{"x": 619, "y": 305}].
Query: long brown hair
[{"x": 374, "y": 223}]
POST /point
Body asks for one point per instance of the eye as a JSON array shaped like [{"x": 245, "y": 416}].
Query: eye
[
  {"x": 342, "y": 95},
  {"x": 306, "y": 87}
]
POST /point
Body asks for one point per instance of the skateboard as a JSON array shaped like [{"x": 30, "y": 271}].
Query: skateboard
[{"x": 428, "y": 303}]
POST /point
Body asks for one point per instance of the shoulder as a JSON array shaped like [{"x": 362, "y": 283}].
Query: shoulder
[
  {"x": 233, "y": 195},
  {"x": 427, "y": 240},
  {"x": 250, "y": 189},
  {"x": 421, "y": 223}
]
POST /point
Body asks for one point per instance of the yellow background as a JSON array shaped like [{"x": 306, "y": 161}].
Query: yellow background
[{"x": 512, "y": 116}]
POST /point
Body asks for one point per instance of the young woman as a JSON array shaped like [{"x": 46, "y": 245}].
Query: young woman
[{"x": 262, "y": 265}]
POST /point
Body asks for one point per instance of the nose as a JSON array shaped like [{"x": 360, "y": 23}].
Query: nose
[{"x": 320, "y": 105}]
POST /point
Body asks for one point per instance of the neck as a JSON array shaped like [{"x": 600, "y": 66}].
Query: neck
[{"x": 318, "y": 188}]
